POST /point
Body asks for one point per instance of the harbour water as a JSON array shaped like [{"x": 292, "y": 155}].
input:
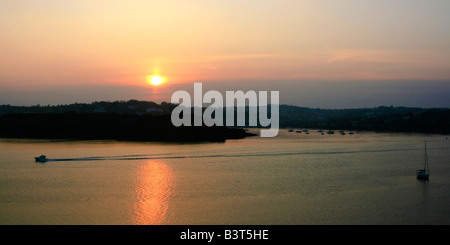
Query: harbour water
[{"x": 293, "y": 179}]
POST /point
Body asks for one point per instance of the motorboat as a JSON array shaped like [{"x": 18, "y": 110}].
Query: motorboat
[{"x": 41, "y": 158}]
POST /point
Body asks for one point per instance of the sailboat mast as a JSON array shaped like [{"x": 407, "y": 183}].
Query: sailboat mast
[{"x": 426, "y": 158}]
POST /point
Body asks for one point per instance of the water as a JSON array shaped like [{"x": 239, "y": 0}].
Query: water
[{"x": 365, "y": 178}]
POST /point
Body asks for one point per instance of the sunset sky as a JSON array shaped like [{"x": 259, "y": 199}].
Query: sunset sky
[{"x": 317, "y": 53}]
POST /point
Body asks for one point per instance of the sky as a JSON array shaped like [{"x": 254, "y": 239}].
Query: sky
[{"x": 317, "y": 53}]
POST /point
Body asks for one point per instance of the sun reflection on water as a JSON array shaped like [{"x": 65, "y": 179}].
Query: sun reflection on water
[{"x": 154, "y": 188}]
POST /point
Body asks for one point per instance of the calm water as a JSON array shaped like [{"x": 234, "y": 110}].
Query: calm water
[{"x": 365, "y": 178}]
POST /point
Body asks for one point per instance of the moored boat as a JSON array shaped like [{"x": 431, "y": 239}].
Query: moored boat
[{"x": 424, "y": 173}]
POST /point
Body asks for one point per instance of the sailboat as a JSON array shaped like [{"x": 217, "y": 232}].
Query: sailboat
[{"x": 425, "y": 172}]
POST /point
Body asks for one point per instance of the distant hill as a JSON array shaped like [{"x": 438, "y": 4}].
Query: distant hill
[
  {"x": 133, "y": 107},
  {"x": 386, "y": 119},
  {"x": 383, "y": 118}
]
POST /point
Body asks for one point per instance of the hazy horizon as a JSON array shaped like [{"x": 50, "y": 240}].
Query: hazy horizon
[{"x": 313, "y": 94}]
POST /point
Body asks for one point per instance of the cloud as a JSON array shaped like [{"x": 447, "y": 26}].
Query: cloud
[
  {"x": 386, "y": 64},
  {"x": 244, "y": 56},
  {"x": 361, "y": 55},
  {"x": 210, "y": 67}
]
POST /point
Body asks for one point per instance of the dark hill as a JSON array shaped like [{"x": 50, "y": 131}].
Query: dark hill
[
  {"x": 109, "y": 126},
  {"x": 146, "y": 120}
]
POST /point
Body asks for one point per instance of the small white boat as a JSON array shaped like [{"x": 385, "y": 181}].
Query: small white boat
[
  {"x": 41, "y": 158},
  {"x": 424, "y": 173}
]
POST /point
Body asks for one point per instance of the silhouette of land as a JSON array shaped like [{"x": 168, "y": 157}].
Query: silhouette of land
[
  {"x": 379, "y": 119},
  {"x": 147, "y": 121},
  {"x": 109, "y": 126}
]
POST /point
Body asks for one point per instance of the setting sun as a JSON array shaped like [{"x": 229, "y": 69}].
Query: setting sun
[{"x": 155, "y": 80}]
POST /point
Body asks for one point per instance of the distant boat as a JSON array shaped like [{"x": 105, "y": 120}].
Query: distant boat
[
  {"x": 41, "y": 158},
  {"x": 291, "y": 130},
  {"x": 330, "y": 132},
  {"x": 424, "y": 173}
]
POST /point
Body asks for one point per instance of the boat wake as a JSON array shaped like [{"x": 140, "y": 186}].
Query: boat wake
[{"x": 218, "y": 155}]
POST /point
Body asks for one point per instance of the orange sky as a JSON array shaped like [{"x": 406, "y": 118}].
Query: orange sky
[{"x": 50, "y": 43}]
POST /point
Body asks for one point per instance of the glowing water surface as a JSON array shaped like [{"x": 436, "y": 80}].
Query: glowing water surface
[{"x": 365, "y": 178}]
